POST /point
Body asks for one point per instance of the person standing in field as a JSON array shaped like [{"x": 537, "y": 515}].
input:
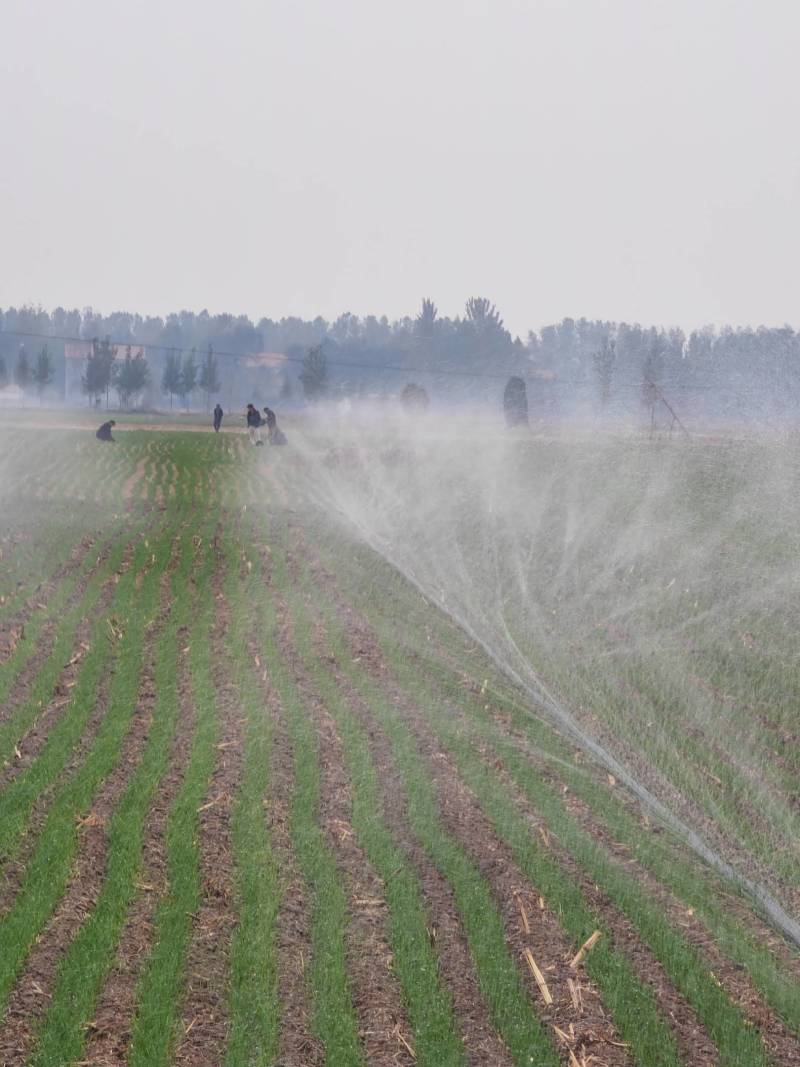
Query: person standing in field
[
  {"x": 271, "y": 420},
  {"x": 254, "y": 425},
  {"x": 218, "y": 413},
  {"x": 104, "y": 433}
]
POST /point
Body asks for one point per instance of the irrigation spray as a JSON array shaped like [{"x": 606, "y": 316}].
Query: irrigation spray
[{"x": 629, "y": 588}]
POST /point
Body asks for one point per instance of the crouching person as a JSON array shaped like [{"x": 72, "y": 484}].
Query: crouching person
[{"x": 104, "y": 433}]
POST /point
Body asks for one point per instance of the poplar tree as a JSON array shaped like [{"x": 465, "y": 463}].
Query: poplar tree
[
  {"x": 43, "y": 372},
  {"x": 172, "y": 379},
  {"x": 22, "y": 371},
  {"x": 314, "y": 375},
  {"x": 188, "y": 377},
  {"x": 209, "y": 379},
  {"x": 131, "y": 376}
]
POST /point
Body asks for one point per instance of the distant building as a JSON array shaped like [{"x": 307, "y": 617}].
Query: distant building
[{"x": 268, "y": 360}]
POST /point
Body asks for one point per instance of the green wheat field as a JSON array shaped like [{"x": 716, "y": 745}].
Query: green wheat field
[{"x": 263, "y": 801}]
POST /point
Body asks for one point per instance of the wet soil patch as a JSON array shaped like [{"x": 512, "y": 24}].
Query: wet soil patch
[
  {"x": 589, "y": 1029},
  {"x": 781, "y": 1043},
  {"x": 732, "y": 977},
  {"x": 590, "y": 822},
  {"x": 593, "y": 1031}
]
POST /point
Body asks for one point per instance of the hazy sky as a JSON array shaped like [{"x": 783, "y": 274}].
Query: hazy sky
[{"x": 621, "y": 159}]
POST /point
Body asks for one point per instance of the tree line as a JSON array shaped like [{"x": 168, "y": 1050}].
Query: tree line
[
  {"x": 605, "y": 365},
  {"x": 38, "y": 374}
]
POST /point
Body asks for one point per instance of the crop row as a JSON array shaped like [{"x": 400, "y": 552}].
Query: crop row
[{"x": 267, "y": 822}]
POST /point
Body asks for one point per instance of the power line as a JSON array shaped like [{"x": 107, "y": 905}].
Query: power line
[
  {"x": 449, "y": 372},
  {"x": 244, "y": 355}
]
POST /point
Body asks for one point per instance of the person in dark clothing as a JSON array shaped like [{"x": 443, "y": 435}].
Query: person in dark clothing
[
  {"x": 104, "y": 433},
  {"x": 254, "y": 425},
  {"x": 218, "y": 413},
  {"x": 272, "y": 423},
  {"x": 515, "y": 403}
]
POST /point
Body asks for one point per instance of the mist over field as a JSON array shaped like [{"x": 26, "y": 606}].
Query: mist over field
[
  {"x": 399, "y": 534},
  {"x": 642, "y": 592},
  {"x": 612, "y": 373}
]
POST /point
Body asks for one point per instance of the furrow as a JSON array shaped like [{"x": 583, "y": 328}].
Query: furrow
[
  {"x": 780, "y": 1040},
  {"x": 34, "y": 989},
  {"x": 26, "y": 746},
  {"x": 13, "y": 622},
  {"x": 334, "y": 1020},
  {"x": 253, "y": 1037},
  {"x": 377, "y": 998},
  {"x": 108, "y": 1040},
  {"x": 48, "y": 639},
  {"x": 591, "y": 1032},
  {"x": 678, "y": 980},
  {"x": 162, "y": 984},
  {"x": 501, "y": 982},
  {"x": 464, "y": 818},
  {"x": 89, "y": 958},
  {"x": 204, "y": 1022},
  {"x": 29, "y": 792},
  {"x": 85, "y": 801},
  {"x": 687, "y": 971},
  {"x": 718, "y": 917},
  {"x": 298, "y": 1044},
  {"x": 424, "y": 900}
]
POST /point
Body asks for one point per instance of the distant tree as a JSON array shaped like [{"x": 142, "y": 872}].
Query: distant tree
[
  {"x": 3, "y": 371},
  {"x": 481, "y": 339},
  {"x": 188, "y": 377},
  {"x": 43, "y": 371},
  {"x": 604, "y": 359},
  {"x": 172, "y": 378},
  {"x": 414, "y": 398},
  {"x": 209, "y": 379},
  {"x": 22, "y": 371},
  {"x": 286, "y": 388},
  {"x": 131, "y": 376},
  {"x": 93, "y": 381},
  {"x": 314, "y": 375},
  {"x": 652, "y": 369},
  {"x": 425, "y": 322},
  {"x": 108, "y": 355},
  {"x": 99, "y": 372},
  {"x": 483, "y": 315}
]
